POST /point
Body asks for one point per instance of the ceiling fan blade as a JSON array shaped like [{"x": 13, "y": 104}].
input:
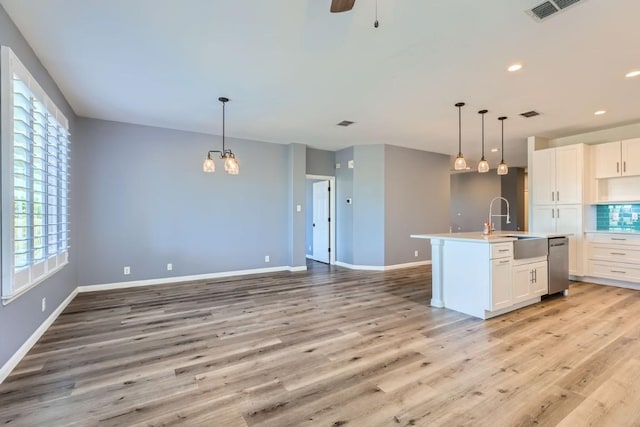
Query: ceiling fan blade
[{"x": 338, "y": 6}]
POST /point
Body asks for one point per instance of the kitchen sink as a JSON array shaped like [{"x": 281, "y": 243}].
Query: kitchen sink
[{"x": 529, "y": 247}]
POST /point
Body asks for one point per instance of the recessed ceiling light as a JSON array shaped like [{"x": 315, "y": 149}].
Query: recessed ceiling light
[
  {"x": 514, "y": 67},
  {"x": 494, "y": 150},
  {"x": 600, "y": 112},
  {"x": 634, "y": 73}
]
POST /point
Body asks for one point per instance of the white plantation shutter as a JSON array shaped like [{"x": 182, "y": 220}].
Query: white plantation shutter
[{"x": 35, "y": 173}]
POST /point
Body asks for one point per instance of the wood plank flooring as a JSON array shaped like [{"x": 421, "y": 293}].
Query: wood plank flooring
[{"x": 328, "y": 347}]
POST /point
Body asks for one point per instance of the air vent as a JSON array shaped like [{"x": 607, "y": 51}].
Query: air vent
[
  {"x": 530, "y": 114},
  {"x": 345, "y": 123},
  {"x": 544, "y": 10},
  {"x": 550, "y": 7}
]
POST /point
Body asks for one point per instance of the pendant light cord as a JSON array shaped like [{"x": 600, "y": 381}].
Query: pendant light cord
[
  {"x": 502, "y": 119},
  {"x": 460, "y": 130},
  {"x": 223, "y": 120}
]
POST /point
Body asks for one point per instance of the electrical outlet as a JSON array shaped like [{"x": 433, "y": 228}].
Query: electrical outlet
[
  {"x": 169, "y": 267},
  {"x": 127, "y": 270},
  {"x": 44, "y": 304},
  {"x": 266, "y": 258},
  {"x": 415, "y": 253}
]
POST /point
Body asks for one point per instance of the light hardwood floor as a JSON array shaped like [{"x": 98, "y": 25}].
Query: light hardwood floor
[{"x": 329, "y": 347}]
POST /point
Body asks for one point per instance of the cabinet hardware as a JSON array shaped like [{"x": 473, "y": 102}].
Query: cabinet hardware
[
  {"x": 618, "y": 167},
  {"x": 617, "y": 253},
  {"x": 535, "y": 276},
  {"x": 553, "y": 213},
  {"x": 503, "y": 250},
  {"x": 618, "y": 271},
  {"x": 617, "y": 238},
  {"x": 624, "y": 166},
  {"x": 506, "y": 261},
  {"x": 557, "y": 196},
  {"x": 558, "y": 215},
  {"x": 553, "y": 197}
]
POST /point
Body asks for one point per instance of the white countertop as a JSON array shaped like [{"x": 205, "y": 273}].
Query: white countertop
[{"x": 495, "y": 237}]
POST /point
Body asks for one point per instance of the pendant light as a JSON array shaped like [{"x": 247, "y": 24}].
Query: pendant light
[
  {"x": 503, "y": 169},
  {"x": 231, "y": 165},
  {"x": 483, "y": 165},
  {"x": 460, "y": 163}
]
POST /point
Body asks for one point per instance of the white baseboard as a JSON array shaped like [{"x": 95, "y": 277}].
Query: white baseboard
[
  {"x": 381, "y": 267},
  {"x": 191, "y": 278},
  {"x": 6, "y": 369},
  {"x": 609, "y": 282}
]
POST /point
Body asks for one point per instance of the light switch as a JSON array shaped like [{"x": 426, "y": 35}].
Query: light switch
[
  {"x": 350, "y": 164},
  {"x": 298, "y": 208},
  {"x": 338, "y": 165}
]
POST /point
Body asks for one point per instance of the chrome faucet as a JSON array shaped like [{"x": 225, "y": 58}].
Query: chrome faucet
[{"x": 491, "y": 215}]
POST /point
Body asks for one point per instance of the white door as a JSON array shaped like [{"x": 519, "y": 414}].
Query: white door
[{"x": 321, "y": 221}]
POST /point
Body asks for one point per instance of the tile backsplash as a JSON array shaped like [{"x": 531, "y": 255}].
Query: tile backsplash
[{"x": 618, "y": 217}]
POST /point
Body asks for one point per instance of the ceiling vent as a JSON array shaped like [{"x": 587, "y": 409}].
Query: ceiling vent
[
  {"x": 549, "y": 8},
  {"x": 345, "y": 123},
  {"x": 530, "y": 114}
]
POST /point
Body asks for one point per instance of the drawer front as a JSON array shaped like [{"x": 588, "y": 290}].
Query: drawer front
[
  {"x": 612, "y": 270},
  {"x": 614, "y": 253},
  {"x": 615, "y": 239},
  {"x": 502, "y": 250}
]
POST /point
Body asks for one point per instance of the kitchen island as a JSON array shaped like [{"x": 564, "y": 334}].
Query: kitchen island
[{"x": 479, "y": 275}]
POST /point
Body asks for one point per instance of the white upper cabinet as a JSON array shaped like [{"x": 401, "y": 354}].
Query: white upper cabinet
[
  {"x": 558, "y": 176},
  {"x": 619, "y": 158},
  {"x": 631, "y": 157}
]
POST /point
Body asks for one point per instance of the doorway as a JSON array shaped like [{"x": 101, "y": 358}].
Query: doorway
[{"x": 320, "y": 219}]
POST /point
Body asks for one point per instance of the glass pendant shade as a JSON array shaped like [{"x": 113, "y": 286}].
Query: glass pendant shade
[
  {"x": 209, "y": 166},
  {"x": 231, "y": 165},
  {"x": 460, "y": 163},
  {"x": 483, "y": 166},
  {"x": 503, "y": 169}
]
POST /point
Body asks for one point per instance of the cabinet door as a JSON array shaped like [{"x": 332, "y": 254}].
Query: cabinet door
[
  {"x": 540, "y": 284},
  {"x": 500, "y": 284},
  {"x": 607, "y": 160},
  {"x": 631, "y": 157},
  {"x": 569, "y": 220},
  {"x": 544, "y": 219},
  {"x": 543, "y": 184},
  {"x": 522, "y": 281},
  {"x": 569, "y": 166}
]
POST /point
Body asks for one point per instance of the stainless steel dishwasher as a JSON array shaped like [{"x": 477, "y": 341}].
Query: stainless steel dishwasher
[{"x": 558, "y": 265}]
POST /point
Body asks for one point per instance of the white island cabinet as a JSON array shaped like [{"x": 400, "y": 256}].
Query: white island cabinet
[{"x": 477, "y": 274}]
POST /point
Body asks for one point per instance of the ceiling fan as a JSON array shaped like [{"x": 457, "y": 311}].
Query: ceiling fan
[{"x": 338, "y": 6}]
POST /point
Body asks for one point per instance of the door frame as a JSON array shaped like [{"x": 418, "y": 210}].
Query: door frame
[{"x": 332, "y": 213}]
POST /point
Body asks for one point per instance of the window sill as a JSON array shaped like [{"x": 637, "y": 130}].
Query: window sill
[{"x": 8, "y": 299}]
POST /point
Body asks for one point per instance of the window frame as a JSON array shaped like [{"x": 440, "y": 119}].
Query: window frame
[{"x": 16, "y": 282}]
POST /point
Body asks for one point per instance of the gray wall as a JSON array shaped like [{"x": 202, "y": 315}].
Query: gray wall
[
  {"x": 471, "y": 194},
  {"x": 23, "y": 314},
  {"x": 417, "y": 198},
  {"x": 296, "y": 197},
  {"x": 368, "y": 205},
  {"x": 321, "y": 162},
  {"x": 513, "y": 190},
  {"x": 344, "y": 211},
  {"x": 146, "y": 202}
]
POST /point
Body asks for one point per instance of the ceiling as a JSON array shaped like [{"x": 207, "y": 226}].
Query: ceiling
[{"x": 293, "y": 70}]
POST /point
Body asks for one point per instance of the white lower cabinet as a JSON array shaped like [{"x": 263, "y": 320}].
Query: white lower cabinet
[
  {"x": 614, "y": 256},
  {"x": 529, "y": 280}
]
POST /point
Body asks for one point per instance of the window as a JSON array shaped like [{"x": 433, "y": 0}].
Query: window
[{"x": 35, "y": 188}]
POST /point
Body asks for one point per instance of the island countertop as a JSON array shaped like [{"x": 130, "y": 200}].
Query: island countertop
[{"x": 495, "y": 237}]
